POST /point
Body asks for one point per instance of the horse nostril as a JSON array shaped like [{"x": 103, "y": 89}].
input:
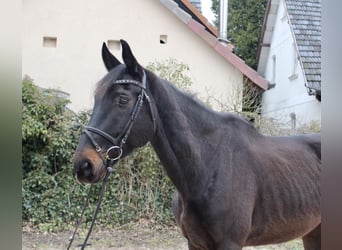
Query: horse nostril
[
  {"x": 86, "y": 165},
  {"x": 83, "y": 168}
]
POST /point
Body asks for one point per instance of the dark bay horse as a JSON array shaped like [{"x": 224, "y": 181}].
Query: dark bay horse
[{"x": 235, "y": 186}]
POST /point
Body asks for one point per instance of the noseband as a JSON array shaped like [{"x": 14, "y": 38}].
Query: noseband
[{"x": 114, "y": 152}]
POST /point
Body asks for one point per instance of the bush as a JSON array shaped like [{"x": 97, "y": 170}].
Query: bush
[
  {"x": 49, "y": 137},
  {"x": 49, "y": 130}
]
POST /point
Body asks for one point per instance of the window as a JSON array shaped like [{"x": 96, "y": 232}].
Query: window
[
  {"x": 113, "y": 44},
  {"x": 163, "y": 39},
  {"x": 294, "y": 74},
  {"x": 49, "y": 41},
  {"x": 284, "y": 17}
]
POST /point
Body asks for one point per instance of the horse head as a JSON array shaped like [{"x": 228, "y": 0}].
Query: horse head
[{"x": 122, "y": 118}]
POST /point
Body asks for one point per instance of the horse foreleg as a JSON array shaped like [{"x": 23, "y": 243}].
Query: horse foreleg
[
  {"x": 226, "y": 246},
  {"x": 229, "y": 245},
  {"x": 312, "y": 241},
  {"x": 192, "y": 247}
]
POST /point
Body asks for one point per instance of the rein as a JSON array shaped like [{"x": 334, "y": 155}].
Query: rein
[
  {"x": 114, "y": 152},
  {"x": 103, "y": 188}
]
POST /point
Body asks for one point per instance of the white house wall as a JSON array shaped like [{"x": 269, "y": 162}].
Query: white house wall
[
  {"x": 289, "y": 95},
  {"x": 80, "y": 26}
]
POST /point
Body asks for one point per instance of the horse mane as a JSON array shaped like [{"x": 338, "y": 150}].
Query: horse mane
[{"x": 190, "y": 102}]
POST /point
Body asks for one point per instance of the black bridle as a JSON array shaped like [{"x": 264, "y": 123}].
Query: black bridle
[{"x": 114, "y": 152}]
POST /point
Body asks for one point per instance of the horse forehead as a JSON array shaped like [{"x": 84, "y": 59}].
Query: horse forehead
[
  {"x": 105, "y": 83},
  {"x": 116, "y": 73}
]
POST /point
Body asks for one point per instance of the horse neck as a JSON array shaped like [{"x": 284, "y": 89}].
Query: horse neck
[{"x": 182, "y": 140}]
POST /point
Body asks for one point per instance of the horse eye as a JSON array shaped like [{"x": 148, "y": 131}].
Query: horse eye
[{"x": 123, "y": 99}]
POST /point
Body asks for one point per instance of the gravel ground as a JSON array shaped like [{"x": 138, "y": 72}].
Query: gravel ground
[{"x": 134, "y": 237}]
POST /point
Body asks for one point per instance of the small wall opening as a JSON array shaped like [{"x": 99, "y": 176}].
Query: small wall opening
[
  {"x": 50, "y": 41},
  {"x": 114, "y": 44},
  {"x": 274, "y": 68},
  {"x": 163, "y": 39}
]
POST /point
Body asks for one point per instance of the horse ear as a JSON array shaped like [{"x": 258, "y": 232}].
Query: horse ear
[
  {"x": 132, "y": 64},
  {"x": 109, "y": 60}
]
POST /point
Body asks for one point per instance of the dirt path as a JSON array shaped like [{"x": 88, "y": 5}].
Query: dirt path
[
  {"x": 129, "y": 238},
  {"x": 139, "y": 238}
]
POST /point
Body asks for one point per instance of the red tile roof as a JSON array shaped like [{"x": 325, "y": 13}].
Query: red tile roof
[{"x": 188, "y": 14}]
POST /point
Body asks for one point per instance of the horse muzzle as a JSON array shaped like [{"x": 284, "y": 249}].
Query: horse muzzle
[{"x": 88, "y": 167}]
